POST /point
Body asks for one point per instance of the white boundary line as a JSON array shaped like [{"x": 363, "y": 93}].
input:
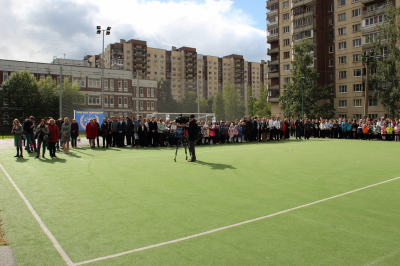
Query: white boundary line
[
  {"x": 229, "y": 226},
  {"x": 41, "y": 223}
]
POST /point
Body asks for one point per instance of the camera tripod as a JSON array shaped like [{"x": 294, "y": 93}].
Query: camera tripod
[{"x": 183, "y": 141}]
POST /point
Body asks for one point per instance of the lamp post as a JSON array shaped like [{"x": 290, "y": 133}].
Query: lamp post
[
  {"x": 108, "y": 31},
  {"x": 251, "y": 97},
  {"x": 366, "y": 59},
  {"x": 302, "y": 97}
]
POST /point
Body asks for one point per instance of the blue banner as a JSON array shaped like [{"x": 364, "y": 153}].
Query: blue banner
[{"x": 83, "y": 117}]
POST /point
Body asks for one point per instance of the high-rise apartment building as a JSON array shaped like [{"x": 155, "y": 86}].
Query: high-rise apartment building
[
  {"x": 184, "y": 67},
  {"x": 341, "y": 31}
]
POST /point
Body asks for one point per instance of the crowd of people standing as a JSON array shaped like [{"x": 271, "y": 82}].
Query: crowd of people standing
[{"x": 131, "y": 132}]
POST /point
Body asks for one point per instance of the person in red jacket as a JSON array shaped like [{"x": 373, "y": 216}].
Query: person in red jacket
[
  {"x": 91, "y": 132},
  {"x": 53, "y": 137}
]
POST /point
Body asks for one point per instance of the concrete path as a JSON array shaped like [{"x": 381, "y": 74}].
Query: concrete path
[
  {"x": 8, "y": 144},
  {"x": 7, "y": 257}
]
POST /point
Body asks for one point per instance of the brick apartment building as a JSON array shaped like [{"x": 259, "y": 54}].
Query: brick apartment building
[
  {"x": 340, "y": 31},
  {"x": 119, "y": 88}
]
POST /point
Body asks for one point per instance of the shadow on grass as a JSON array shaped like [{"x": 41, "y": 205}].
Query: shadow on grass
[
  {"x": 54, "y": 160},
  {"x": 216, "y": 166}
]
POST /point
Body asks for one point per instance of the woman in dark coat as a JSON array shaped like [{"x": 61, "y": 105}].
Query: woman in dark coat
[
  {"x": 142, "y": 131},
  {"x": 18, "y": 131},
  {"x": 74, "y": 132},
  {"x": 53, "y": 138}
]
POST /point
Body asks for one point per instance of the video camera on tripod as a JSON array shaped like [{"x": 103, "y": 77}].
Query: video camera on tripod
[{"x": 182, "y": 119}]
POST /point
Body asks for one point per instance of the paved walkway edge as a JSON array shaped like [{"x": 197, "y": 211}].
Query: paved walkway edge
[{"x": 7, "y": 257}]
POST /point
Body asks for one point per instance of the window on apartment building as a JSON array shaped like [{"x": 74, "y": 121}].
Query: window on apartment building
[
  {"x": 342, "y": 31},
  {"x": 105, "y": 84},
  {"x": 357, "y": 116},
  {"x": 343, "y": 89},
  {"x": 343, "y": 116},
  {"x": 112, "y": 84},
  {"x": 286, "y": 67},
  {"x": 356, "y": 27},
  {"x": 330, "y": 63},
  {"x": 286, "y": 42},
  {"x": 342, "y": 74},
  {"x": 356, "y": 12},
  {"x": 141, "y": 92},
  {"x": 126, "y": 84},
  {"x": 357, "y": 103},
  {"x": 355, "y": 1},
  {"x": 357, "y": 73},
  {"x": 94, "y": 100},
  {"x": 342, "y": 103},
  {"x": 373, "y": 116},
  {"x": 285, "y": 16},
  {"x": 152, "y": 92},
  {"x": 374, "y": 20},
  {"x": 330, "y": 49},
  {"x": 286, "y": 4},
  {"x": 356, "y": 58},
  {"x": 309, "y": 9},
  {"x": 286, "y": 55},
  {"x": 105, "y": 99},
  {"x": 342, "y": 16},
  {"x": 369, "y": 38},
  {"x": 357, "y": 88},
  {"x": 357, "y": 42},
  {"x": 341, "y": 3},
  {"x": 330, "y": 21},
  {"x": 372, "y": 102},
  {"x": 331, "y": 35},
  {"x": 342, "y": 60},
  {"x": 148, "y": 92},
  {"x": 286, "y": 29},
  {"x": 286, "y": 80},
  {"x": 342, "y": 45},
  {"x": 112, "y": 100},
  {"x": 330, "y": 8},
  {"x": 126, "y": 100},
  {"x": 128, "y": 52}
]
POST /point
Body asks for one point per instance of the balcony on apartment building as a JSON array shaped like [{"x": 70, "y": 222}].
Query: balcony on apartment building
[
  {"x": 140, "y": 61},
  {"x": 117, "y": 51},
  {"x": 190, "y": 71},
  {"x": 191, "y": 66},
  {"x": 189, "y": 82},
  {"x": 273, "y": 72},
  {"x": 367, "y": 2},
  {"x": 304, "y": 27},
  {"x": 140, "y": 49},
  {"x": 117, "y": 57},
  {"x": 190, "y": 60},
  {"x": 136, "y": 67},
  {"x": 271, "y": 2},
  {"x": 273, "y": 38},
  {"x": 239, "y": 66},
  {"x": 273, "y": 94},
  {"x": 374, "y": 10},
  {"x": 239, "y": 71},
  {"x": 140, "y": 55},
  {"x": 190, "y": 55},
  {"x": 274, "y": 61},
  {"x": 272, "y": 51},
  {"x": 297, "y": 3}
]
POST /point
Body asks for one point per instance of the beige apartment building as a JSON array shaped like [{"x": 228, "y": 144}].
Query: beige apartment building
[
  {"x": 341, "y": 30},
  {"x": 184, "y": 67}
]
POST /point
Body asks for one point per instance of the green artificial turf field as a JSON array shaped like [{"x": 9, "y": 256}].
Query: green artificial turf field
[{"x": 100, "y": 202}]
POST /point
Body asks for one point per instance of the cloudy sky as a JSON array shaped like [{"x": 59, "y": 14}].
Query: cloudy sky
[{"x": 38, "y": 30}]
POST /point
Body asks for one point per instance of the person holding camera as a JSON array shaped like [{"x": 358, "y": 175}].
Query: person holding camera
[
  {"x": 192, "y": 130},
  {"x": 42, "y": 132}
]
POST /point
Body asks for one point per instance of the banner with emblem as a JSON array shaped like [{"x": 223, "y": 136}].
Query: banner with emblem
[{"x": 83, "y": 117}]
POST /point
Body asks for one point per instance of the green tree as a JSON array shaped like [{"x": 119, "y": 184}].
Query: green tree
[
  {"x": 165, "y": 101},
  {"x": 203, "y": 105},
  {"x": 385, "y": 80},
  {"x": 261, "y": 106},
  {"x": 21, "y": 95},
  {"x": 218, "y": 106},
  {"x": 233, "y": 106},
  {"x": 189, "y": 103},
  {"x": 317, "y": 97},
  {"x": 72, "y": 98},
  {"x": 49, "y": 97}
]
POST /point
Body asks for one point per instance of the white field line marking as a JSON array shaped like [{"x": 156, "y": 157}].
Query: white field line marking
[
  {"x": 383, "y": 258},
  {"x": 41, "y": 223},
  {"x": 229, "y": 226}
]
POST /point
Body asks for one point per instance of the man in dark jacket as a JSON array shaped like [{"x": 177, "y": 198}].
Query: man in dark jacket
[
  {"x": 28, "y": 129},
  {"x": 129, "y": 131},
  {"x": 192, "y": 130},
  {"x": 114, "y": 131},
  {"x": 105, "y": 129},
  {"x": 255, "y": 128},
  {"x": 249, "y": 129},
  {"x": 307, "y": 127},
  {"x": 298, "y": 125},
  {"x": 121, "y": 131},
  {"x": 153, "y": 132},
  {"x": 98, "y": 131}
]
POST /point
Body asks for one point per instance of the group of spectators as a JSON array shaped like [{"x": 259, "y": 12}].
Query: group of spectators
[{"x": 132, "y": 132}]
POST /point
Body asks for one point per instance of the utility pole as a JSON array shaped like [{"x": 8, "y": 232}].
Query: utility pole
[
  {"x": 108, "y": 31},
  {"x": 198, "y": 102},
  {"x": 302, "y": 98},
  {"x": 137, "y": 94},
  {"x": 60, "y": 92}
]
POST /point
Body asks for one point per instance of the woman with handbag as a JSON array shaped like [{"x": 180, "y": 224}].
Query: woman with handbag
[
  {"x": 74, "y": 133},
  {"x": 66, "y": 134},
  {"x": 42, "y": 133},
  {"x": 18, "y": 131},
  {"x": 53, "y": 137}
]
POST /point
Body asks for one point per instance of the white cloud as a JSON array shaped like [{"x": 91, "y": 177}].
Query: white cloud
[{"x": 52, "y": 28}]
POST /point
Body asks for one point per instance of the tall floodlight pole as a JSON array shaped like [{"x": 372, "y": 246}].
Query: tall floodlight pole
[
  {"x": 108, "y": 31},
  {"x": 366, "y": 59},
  {"x": 61, "y": 92}
]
